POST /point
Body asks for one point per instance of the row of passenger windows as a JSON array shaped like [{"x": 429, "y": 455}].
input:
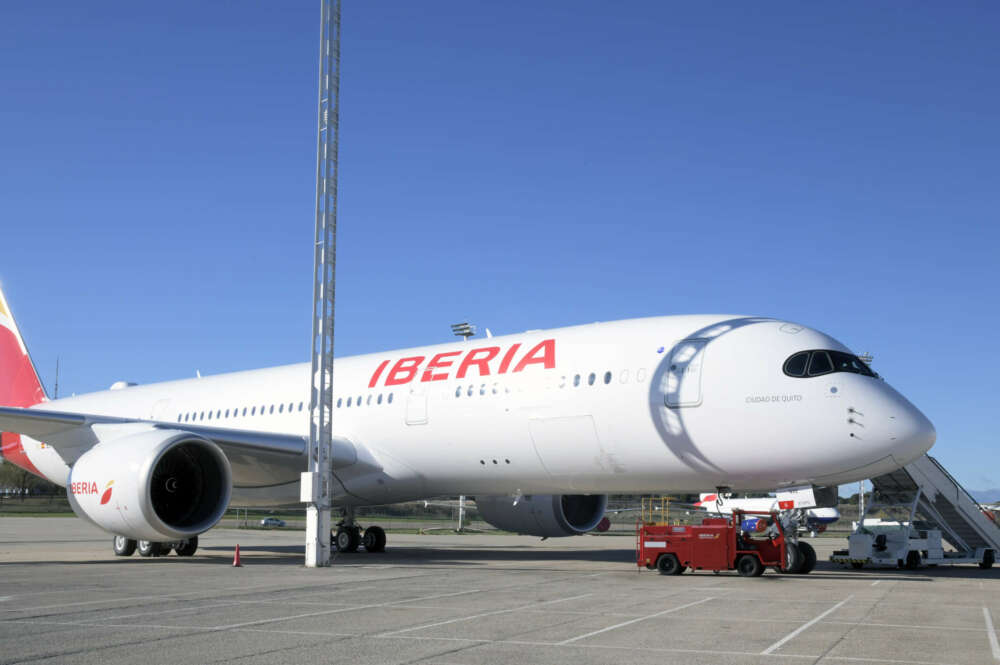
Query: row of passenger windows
[
  {"x": 817, "y": 363},
  {"x": 341, "y": 402},
  {"x": 270, "y": 409},
  {"x": 220, "y": 414}
]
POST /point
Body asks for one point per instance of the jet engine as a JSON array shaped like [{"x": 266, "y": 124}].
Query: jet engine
[
  {"x": 157, "y": 485},
  {"x": 546, "y": 515}
]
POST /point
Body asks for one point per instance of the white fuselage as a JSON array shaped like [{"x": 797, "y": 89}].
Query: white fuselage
[{"x": 630, "y": 406}]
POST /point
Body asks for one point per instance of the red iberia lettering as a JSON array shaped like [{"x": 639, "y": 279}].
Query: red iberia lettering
[
  {"x": 544, "y": 352},
  {"x": 378, "y": 373},
  {"x": 438, "y": 362},
  {"x": 480, "y": 358},
  {"x": 403, "y": 371},
  {"x": 508, "y": 357},
  {"x": 83, "y": 487}
]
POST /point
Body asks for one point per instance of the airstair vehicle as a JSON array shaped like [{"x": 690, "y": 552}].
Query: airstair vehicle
[{"x": 932, "y": 510}]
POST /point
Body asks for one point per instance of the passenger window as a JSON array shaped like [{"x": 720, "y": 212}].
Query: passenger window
[
  {"x": 576, "y": 381},
  {"x": 640, "y": 374},
  {"x": 281, "y": 408},
  {"x": 623, "y": 377},
  {"x": 562, "y": 382},
  {"x": 348, "y": 402},
  {"x": 496, "y": 388},
  {"x": 590, "y": 379},
  {"x": 471, "y": 390},
  {"x": 369, "y": 400},
  {"x": 227, "y": 413},
  {"x": 458, "y": 393},
  {"x": 796, "y": 365},
  {"x": 390, "y": 398},
  {"x": 482, "y": 389},
  {"x": 820, "y": 363},
  {"x": 340, "y": 401},
  {"x": 607, "y": 378},
  {"x": 359, "y": 400},
  {"x": 244, "y": 411},
  {"x": 253, "y": 411}
]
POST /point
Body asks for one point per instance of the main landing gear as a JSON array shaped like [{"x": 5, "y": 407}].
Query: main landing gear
[
  {"x": 123, "y": 546},
  {"x": 348, "y": 536}
]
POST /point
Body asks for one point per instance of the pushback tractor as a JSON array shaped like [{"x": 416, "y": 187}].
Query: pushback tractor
[{"x": 746, "y": 541}]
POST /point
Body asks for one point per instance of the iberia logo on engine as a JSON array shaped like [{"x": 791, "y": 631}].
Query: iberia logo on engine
[{"x": 90, "y": 487}]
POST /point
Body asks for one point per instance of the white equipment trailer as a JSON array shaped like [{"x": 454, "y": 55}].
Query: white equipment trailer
[{"x": 933, "y": 510}]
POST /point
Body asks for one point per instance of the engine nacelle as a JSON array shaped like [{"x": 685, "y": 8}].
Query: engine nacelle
[
  {"x": 546, "y": 515},
  {"x": 157, "y": 485}
]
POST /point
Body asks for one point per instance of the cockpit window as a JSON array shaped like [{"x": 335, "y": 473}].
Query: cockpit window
[
  {"x": 845, "y": 362},
  {"x": 796, "y": 365},
  {"x": 820, "y": 362}
]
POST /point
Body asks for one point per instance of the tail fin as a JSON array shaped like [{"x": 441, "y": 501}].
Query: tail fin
[{"x": 19, "y": 382}]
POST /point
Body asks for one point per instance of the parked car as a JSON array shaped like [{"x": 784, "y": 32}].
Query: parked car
[{"x": 271, "y": 521}]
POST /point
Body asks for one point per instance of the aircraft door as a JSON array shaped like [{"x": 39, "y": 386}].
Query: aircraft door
[
  {"x": 683, "y": 376},
  {"x": 416, "y": 407}
]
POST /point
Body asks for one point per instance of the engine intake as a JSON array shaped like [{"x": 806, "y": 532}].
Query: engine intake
[
  {"x": 545, "y": 515},
  {"x": 154, "y": 485}
]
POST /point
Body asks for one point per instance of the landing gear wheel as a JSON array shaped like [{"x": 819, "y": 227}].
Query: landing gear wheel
[
  {"x": 374, "y": 539},
  {"x": 912, "y": 560},
  {"x": 347, "y": 539},
  {"x": 126, "y": 546},
  {"x": 793, "y": 559},
  {"x": 148, "y": 548},
  {"x": 668, "y": 564},
  {"x": 189, "y": 547},
  {"x": 749, "y": 566},
  {"x": 988, "y": 559},
  {"x": 808, "y": 556},
  {"x": 857, "y": 565}
]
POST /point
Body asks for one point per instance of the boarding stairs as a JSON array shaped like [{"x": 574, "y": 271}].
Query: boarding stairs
[{"x": 941, "y": 501}]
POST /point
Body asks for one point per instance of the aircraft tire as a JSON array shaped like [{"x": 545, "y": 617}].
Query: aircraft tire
[
  {"x": 668, "y": 564},
  {"x": 808, "y": 555},
  {"x": 793, "y": 559},
  {"x": 988, "y": 560},
  {"x": 148, "y": 548},
  {"x": 912, "y": 560},
  {"x": 374, "y": 539},
  {"x": 188, "y": 548},
  {"x": 347, "y": 539},
  {"x": 123, "y": 546}
]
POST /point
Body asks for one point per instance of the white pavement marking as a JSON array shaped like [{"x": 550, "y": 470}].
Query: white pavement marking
[
  {"x": 992, "y": 634},
  {"x": 777, "y": 645},
  {"x": 205, "y": 629},
  {"x": 875, "y": 583},
  {"x": 484, "y": 614},
  {"x": 339, "y": 609},
  {"x": 626, "y": 623}
]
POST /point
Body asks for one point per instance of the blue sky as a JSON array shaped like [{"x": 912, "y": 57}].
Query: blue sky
[{"x": 518, "y": 164}]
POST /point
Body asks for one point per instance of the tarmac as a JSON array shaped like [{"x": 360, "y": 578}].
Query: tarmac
[{"x": 467, "y": 599}]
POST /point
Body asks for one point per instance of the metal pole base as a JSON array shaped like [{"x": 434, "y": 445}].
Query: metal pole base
[{"x": 317, "y": 536}]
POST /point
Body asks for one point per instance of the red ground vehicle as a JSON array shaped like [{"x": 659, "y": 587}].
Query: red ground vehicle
[{"x": 741, "y": 543}]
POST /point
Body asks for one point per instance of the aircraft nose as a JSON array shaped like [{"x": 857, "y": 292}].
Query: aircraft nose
[
  {"x": 910, "y": 429},
  {"x": 914, "y": 430}
]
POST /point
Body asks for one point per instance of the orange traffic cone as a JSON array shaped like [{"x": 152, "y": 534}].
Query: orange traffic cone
[{"x": 236, "y": 557}]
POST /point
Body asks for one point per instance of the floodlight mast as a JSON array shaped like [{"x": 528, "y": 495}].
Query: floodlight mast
[{"x": 317, "y": 482}]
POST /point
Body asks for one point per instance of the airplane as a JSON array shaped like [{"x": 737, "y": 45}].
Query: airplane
[
  {"x": 813, "y": 520},
  {"x": 540, "y": 427}
]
